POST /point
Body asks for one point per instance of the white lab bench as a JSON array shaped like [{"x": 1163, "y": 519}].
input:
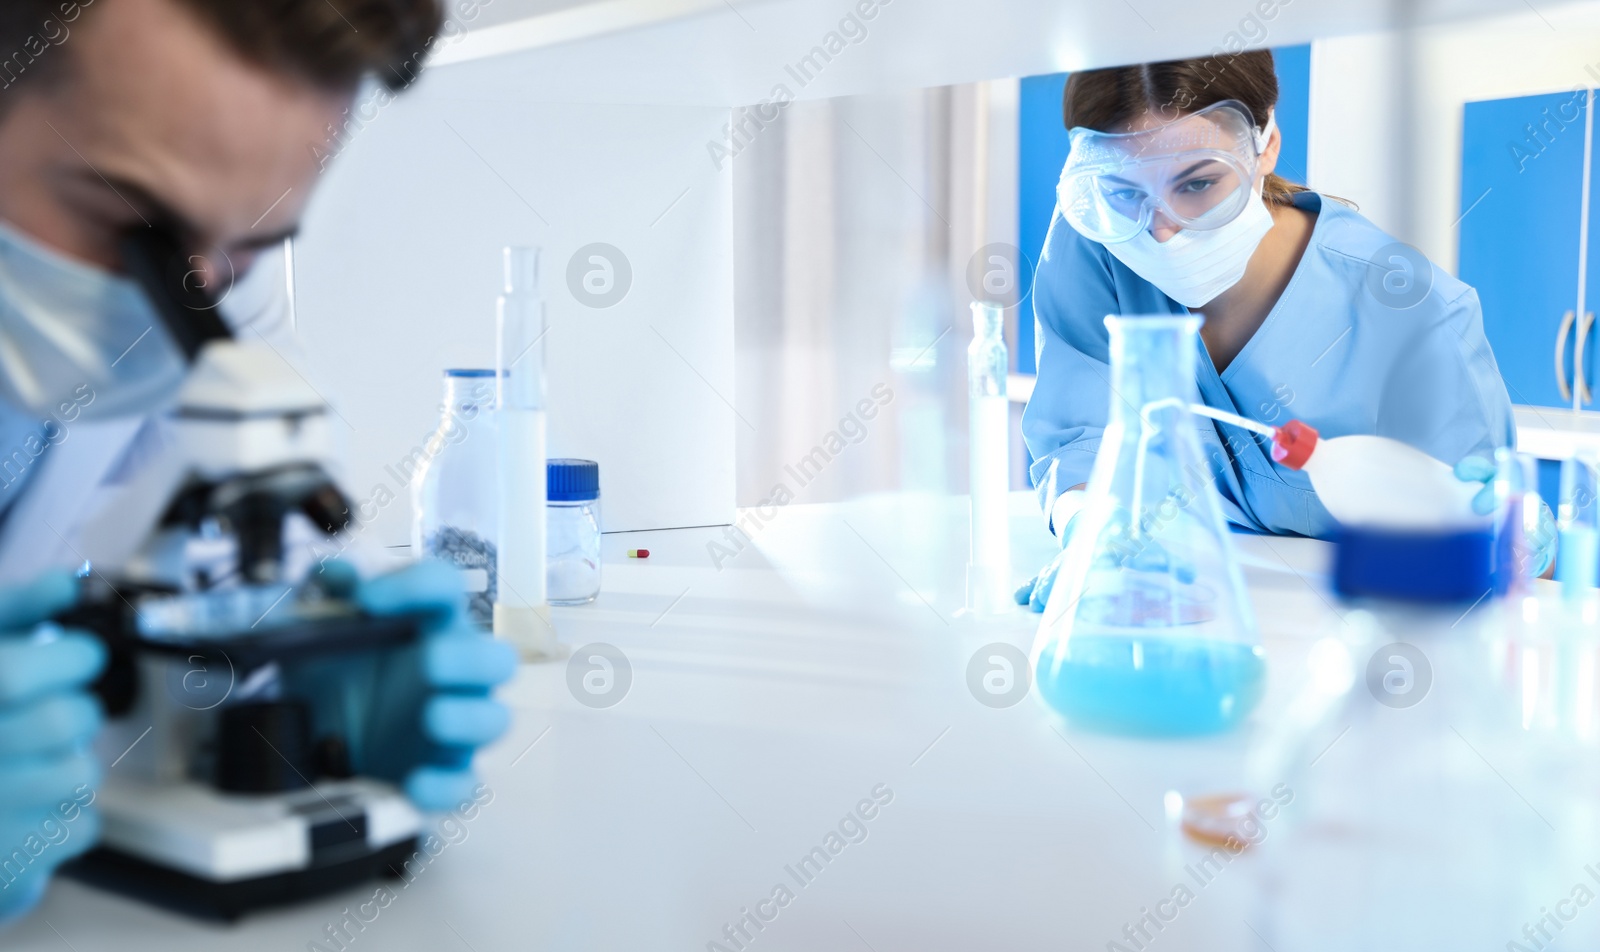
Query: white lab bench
[
  {"x": 1556, "y": 434},
  {"x": 768, "y": 697}
]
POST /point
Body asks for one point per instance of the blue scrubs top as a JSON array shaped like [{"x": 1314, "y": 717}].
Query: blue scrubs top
[{"x": 1332, "y": 352}]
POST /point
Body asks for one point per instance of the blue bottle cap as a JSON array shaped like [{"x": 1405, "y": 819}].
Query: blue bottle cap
[
  {"x": 468, "y": 372},
  {"x": 573, "y": 480},
  {"x": 1430, "y": 567}
]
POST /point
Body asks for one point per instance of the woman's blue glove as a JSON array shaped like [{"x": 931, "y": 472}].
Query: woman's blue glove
[
  {"x": 47, "y": 722},
  {"x": 1035, "y": 592},
  {"x": 1541, "y": 541},
  {"x": 1476, "y": 469},
  {"x": 413, "y": 715},
  {"x": 1146, "y": 555}
]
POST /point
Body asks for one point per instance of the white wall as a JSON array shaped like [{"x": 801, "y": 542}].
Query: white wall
[
  {"x": 1354, "y": 94},
  {"x": 398, "y": 268}
]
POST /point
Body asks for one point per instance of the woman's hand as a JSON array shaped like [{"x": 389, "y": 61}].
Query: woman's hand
[
  {"x": 1035, "y": 592},
  {"x": 1139, "y": 551}
]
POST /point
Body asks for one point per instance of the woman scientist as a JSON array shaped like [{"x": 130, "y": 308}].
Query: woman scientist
[{"x": 1168, "y": 204}]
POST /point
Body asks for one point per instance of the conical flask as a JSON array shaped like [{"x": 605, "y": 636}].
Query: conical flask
[{"x": 1148, "y": 629}]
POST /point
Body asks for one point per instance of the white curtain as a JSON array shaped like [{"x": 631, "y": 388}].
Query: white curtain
[{"x": 855, "y": 223}]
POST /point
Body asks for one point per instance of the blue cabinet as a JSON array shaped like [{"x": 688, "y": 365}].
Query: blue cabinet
[{"x": 1521, "y": 189}]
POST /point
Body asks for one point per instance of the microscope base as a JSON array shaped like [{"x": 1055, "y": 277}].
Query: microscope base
[
  {"x": 220, "y": 855},
  {"x": 206, "y": 899}
]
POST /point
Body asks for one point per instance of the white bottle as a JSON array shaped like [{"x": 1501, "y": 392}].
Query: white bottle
[
  {"x": 455, "y": 496},
  {"x": 1375, "y": 481},
  {"x": 989, "y": 455},
  {"x": 521, "y": 615}
]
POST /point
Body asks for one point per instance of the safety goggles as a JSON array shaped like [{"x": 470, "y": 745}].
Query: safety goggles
[{"x": 1197, "y": 170}]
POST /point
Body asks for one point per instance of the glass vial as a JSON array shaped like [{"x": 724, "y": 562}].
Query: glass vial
[
  {"x": 455, "y": 511},
  {"x": 1578, "y": 521},
  {"x": 989, "y": 459},
  {"x": 573, "y": 524}
]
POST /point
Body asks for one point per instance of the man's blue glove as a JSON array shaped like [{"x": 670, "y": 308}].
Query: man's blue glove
[
  {"x": 47, "y": 721},
  {"x": 414, "y": 715},
  {"x": 1541, "y": 541}
]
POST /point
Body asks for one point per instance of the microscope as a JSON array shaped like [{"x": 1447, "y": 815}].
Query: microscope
[{"x": 231, "y": 793}]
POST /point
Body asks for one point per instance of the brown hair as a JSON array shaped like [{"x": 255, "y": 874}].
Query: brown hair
[
  {"x": 1106, "y": 99},
  {"x": 332, "y": 44}
]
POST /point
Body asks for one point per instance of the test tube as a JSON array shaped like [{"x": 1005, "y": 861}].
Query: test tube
[
  {"x": 1578, "y": 524},
  {"x": 989, "y": 452},
  {"x": 1518, "y": 511},
  {"x": 521, "y": 615}
]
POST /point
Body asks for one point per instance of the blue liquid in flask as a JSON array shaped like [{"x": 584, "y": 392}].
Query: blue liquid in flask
[{"x": 1152, "y": 686}]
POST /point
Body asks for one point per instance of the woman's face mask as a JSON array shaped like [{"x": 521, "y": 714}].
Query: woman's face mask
[{"x": 1194, "y": 266}]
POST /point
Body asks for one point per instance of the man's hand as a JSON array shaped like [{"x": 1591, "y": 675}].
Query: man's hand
[
  {"x": 47, "y": 721},
  {"x": 415, "y": 715},
  {"x": 459, "y": 665}
]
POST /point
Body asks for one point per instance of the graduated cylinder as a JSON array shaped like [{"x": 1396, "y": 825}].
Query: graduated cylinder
[{"x": 521, "y": 615}]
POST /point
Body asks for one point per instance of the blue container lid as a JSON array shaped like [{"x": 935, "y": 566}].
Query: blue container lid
[
  {"x": 1438, "y": 568},
  {"x": 573, "y": 480},
  {"x": 468, "y": 372}
]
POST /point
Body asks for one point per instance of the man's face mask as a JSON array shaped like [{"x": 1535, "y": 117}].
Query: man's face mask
[{"x": 65, "y": 325}]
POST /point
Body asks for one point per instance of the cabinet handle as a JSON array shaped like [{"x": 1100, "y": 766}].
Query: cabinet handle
[
  {"x": 1561, "y": 356},
  {"x": 1579, "y": 349}
]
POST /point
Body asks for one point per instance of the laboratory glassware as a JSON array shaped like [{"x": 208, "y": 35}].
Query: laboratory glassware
[
  {"x": 924, "y": 391},
  {"x": 922, "y": 382},
  {"x": 989, "y": 471},
  {"x": 1442, "y": 760},
  {"x": 1525, "y": 526},
  {"x": 574, "y": 528},
  {"x": 1148, "y": 630},
  {"x": 521, "y": 615},
  {"x": 1578, "y": 559},
  {"x": 455, "y": 502}
]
